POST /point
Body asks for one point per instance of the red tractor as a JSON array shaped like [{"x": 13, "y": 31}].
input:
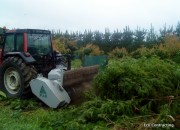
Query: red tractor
[
  {"x": 29, "y": 64},
  {"x": 23, "y": 54}
]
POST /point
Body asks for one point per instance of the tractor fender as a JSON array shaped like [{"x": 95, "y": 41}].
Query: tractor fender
[{"x": 26, "y": 57}]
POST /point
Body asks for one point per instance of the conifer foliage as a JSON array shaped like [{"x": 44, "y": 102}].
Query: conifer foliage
[{"x": 136, "y": 78}]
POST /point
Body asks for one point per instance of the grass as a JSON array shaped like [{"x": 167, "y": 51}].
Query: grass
[
  {"x": 18, "y": 119},
  {"x": 94, "y": 114},
  {"x": 19, "y": 115},
  {"x": 76, "y": 63}
]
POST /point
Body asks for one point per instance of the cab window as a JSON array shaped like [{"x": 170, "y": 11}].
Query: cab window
[
  {"x": 19, "y": 42},
  {"x": 9, "y": 43}
]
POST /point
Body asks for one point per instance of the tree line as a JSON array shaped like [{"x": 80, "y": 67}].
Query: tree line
[{"x": 126, "y": 38}]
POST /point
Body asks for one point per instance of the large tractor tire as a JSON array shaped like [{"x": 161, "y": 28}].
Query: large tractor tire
[{"x": 15, "y": 76}]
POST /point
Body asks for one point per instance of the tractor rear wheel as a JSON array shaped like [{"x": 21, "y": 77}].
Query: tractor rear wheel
[{"x": 15, "y": 76}]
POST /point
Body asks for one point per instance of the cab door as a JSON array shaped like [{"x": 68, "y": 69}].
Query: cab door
[
  {"x": 0, "y": 56},
  {"x": 9, "y": 44},
  {"x": 1, "y": 46}
]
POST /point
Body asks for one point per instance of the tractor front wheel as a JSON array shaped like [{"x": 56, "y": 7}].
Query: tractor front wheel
[
  {"x": 15, "y": 76},
  {"x": 12, "y": 80}
]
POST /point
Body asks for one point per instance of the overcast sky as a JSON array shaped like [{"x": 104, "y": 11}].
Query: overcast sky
[{"x": 75, "y": 15}]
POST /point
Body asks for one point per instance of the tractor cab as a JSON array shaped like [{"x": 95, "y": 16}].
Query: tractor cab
[
  {"x": 36, "y": 42},
  {"x": 33, "y": 42}
]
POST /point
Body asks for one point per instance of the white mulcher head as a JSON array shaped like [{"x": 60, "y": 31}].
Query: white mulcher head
[{"x": 50, "y": 90}]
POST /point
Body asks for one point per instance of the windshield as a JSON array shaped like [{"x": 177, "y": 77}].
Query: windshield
[{"x": 39, "y": 44}]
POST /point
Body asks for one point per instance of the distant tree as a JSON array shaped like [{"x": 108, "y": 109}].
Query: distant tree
[
  {"x": 106, "y": 40},
  {"x": 106, "y": 36},
  {"x": 80, "y": 39},
  {"x": 97, "y": 38},
  {"x": 116, "y": 38},
  {"x": 178, "y": 29},
  {"x": 66, "y": 34},
  {"x": 58, "y": 33},
  {"x": 73, "y": 36},
  {"x": 118, "y": 53},
  {"x": 87, "y": 37},
  {"x": 71, "y": 46},
  {"x": 151, "y": 37},
  {"x": 53, "y": 33},
  {"x": 127, "y": 38},
  {"x": 139, "y": 38},
  {"x": 165, "y": 32}
]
